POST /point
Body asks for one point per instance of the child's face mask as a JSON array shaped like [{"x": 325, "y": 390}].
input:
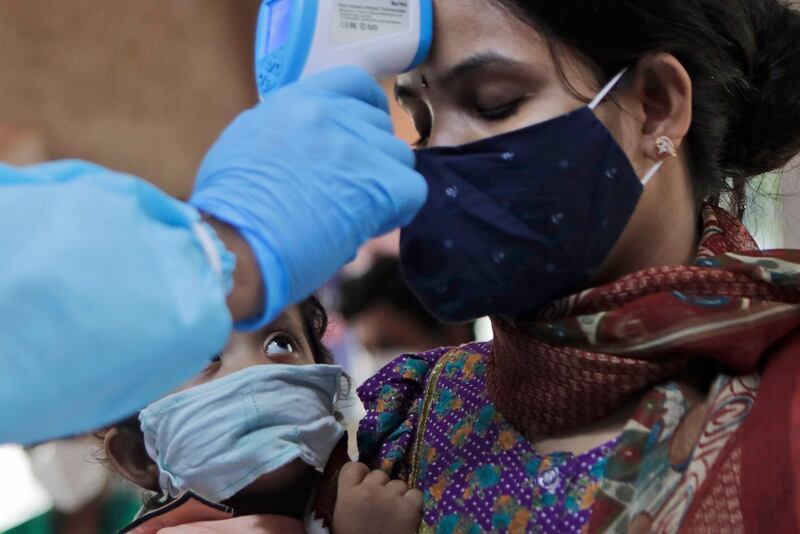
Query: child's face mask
[{"x": 219, "y": 437}]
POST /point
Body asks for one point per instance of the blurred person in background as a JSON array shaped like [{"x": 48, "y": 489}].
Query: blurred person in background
[
  {"x": 87, "y": 497},
  {"x": 388, "y": 319}
]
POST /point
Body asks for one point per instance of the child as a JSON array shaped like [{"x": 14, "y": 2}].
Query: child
[{"x": 241, "y": 447}]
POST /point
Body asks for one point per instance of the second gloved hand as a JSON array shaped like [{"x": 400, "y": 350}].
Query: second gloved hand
[{"x": 307, "y": 177}]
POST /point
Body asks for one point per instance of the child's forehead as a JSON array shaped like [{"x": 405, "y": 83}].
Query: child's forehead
[{"x": 289, "y": 319}]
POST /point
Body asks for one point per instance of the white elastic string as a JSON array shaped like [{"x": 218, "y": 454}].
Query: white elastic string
[
  {"x": 607, "y": 89},
  {"x": 601, "y": 96},
  {"x": 209, "y": 247},
  {"x": 651, "y": 173}
]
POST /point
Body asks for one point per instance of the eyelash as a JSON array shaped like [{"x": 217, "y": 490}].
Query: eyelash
[
  {"x": 500, "y": 112},
  {"x": 495, "y": 114},
  {"x": 292, "y": 343}
]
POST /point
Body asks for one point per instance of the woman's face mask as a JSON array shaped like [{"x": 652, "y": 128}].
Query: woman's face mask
[{"x": 517, "y": 220}]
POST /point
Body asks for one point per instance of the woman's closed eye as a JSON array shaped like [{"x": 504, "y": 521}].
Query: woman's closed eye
[
  {"x": 486, "y": 112},
  {"x": 498, "y": 112}
]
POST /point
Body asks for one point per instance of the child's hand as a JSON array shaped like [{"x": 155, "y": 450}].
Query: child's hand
[{"x": 368, "y": 502}]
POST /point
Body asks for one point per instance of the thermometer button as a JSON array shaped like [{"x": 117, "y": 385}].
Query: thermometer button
[
  {"x": 270, "y": 70},
  {"x": 275, "y": 60}
]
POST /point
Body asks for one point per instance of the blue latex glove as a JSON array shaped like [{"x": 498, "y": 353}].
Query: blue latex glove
[
  {"x": 111, "y": 294},
  {"x": 307, "y": 177}
]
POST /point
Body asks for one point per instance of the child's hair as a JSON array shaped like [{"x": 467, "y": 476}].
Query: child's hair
[{"x": 315, "y": 324}]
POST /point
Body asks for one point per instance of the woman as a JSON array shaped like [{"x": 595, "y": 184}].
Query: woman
[{"x": 644, "y": 368}]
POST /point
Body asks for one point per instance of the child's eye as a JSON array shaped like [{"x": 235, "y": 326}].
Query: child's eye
[{"x": 279, "y": 344}]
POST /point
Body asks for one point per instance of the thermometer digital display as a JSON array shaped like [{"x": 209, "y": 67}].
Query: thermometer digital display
[{"x": 298, "y": 38}]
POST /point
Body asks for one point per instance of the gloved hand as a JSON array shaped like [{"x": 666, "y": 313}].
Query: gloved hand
[{"x": 307, "y": 177}]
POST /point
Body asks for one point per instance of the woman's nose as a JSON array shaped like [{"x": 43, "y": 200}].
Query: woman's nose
[
  {"x": 439, "y": 138},
  {"x": 452, "y": 131}
]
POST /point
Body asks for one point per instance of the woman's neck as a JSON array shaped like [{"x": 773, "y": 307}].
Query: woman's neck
[
  {"x": 664, "y": 230},
  {"x": 587, "y": 438}
]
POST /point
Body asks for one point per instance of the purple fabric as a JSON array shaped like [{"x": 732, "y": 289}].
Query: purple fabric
[{"x": 476, "y": 471}]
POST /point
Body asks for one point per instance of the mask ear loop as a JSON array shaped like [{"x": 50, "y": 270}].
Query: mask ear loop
[
  {"x": 652, "y": 172},
  {"x": 600, "y": 97},
  {"x": 607, "y": 89}
]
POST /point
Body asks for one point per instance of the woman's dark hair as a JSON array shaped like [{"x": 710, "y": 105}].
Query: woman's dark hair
[{"x": 743, "y": 57}]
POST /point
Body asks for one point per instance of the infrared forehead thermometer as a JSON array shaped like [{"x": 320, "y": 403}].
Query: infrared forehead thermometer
[{"x": 298, "y": 38}]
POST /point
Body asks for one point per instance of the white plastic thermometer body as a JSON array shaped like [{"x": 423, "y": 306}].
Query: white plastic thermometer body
[{"x": 298, "y": 38}]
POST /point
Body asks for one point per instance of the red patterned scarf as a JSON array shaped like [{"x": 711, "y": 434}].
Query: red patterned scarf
[{"x": 590, "y": 353}]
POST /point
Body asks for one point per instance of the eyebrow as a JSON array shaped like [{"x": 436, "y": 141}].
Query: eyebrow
[
  {"x": 294, "y": 323},
  {"x": 283, "y": 323},
  {"x": 477, "y": 62},
  {"x": 468, "y": 66}
]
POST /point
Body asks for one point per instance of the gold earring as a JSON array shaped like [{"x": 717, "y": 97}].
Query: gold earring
[{"x": 665, "y": 147}]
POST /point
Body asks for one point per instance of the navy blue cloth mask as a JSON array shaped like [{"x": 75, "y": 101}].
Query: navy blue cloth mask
[{"x": 516, "y": 221}]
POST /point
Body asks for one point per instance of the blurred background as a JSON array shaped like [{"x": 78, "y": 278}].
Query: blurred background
[{"x": 145, "y": 87}]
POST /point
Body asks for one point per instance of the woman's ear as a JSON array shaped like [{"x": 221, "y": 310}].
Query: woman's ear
[
  {"x": 129, "y": 457},
  {"x": 664, "y": 90}
]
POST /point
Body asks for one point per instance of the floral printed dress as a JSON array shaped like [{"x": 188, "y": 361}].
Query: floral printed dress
[
  {"x": 478, "y": 473},
  {"x": 430, "y": 422}
]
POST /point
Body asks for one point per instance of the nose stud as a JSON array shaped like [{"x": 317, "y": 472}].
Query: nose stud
[{"x": 665, "y": 147}]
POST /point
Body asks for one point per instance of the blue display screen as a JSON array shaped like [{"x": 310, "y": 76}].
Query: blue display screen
[{"x": 279, "y": 24}]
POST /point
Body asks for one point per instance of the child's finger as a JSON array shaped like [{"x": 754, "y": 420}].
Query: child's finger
[
  {"x": 377, "y": 478},
  {"x": 352, "y": 474},
  {"x": 397, "y": 487},
  {"x": 414, "y": 496}
]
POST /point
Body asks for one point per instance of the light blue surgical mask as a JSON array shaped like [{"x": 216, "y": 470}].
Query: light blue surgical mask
[{"x": 219, "y": 437}]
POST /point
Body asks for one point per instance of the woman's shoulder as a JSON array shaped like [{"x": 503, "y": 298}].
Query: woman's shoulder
[
  {"x": 410, "y": 371},
  {"x": 392, "y": 398}
]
